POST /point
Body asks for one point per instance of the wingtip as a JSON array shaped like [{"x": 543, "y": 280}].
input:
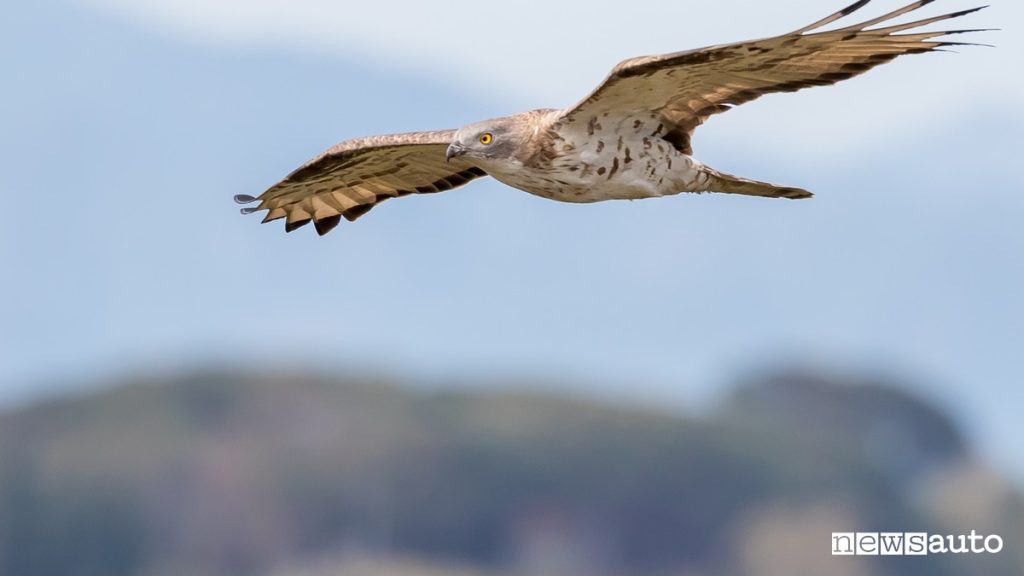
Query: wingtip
[
  {"x": 325, "y": 225},
  {"x": 969, "y": 11},
  {"x": 854, "y": 7},
  {"x": 970, "y": 30},
  {"x": 293, "y": 226},
  {"x": 834, "y": 17},
  {"x": 973, "y": 44}
]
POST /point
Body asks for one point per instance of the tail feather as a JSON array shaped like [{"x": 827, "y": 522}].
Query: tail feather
[{"x": 729, "y": 184}]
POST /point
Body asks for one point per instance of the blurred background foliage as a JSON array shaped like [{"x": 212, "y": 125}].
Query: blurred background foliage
[{"x": 288, "y": 474}]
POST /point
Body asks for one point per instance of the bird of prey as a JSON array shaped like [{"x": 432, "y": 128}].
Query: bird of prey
[{"x": 628, "y": 139}]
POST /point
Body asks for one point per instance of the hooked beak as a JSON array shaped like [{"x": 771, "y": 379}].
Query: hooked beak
[{"x": 454, "y": 149}]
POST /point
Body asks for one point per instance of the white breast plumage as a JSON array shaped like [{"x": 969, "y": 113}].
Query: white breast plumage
[{"x": 626, "y": 159}]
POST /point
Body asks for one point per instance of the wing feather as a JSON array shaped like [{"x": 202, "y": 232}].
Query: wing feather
[
  {"x": 686, "y": 88},
  {"x": 351, "y": 178}
]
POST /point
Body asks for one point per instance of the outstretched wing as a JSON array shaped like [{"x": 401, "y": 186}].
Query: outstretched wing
[
  {"x": 354, "y": 176},
  {"x": 685, "y": 88}
]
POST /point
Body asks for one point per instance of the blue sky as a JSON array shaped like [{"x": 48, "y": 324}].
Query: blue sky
[{"x": 129, "y": 126}]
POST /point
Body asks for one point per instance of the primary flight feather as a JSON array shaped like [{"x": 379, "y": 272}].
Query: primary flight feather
[{"x": 629, "y": 139}]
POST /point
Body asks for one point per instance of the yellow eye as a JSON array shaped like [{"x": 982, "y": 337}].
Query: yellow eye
[{"x": 486, "y": 138}]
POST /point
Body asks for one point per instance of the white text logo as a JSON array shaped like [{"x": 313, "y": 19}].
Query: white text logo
[{"x": 912, "y": 544}]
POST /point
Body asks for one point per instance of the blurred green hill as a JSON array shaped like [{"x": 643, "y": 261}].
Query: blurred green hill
[{"x": 222, "y": 474}]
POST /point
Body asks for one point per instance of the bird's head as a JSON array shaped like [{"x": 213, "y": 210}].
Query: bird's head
[{"x": 497, "y": 141}]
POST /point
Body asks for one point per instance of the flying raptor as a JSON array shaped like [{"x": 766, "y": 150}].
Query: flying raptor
[{"x": 628, "y": 139}]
